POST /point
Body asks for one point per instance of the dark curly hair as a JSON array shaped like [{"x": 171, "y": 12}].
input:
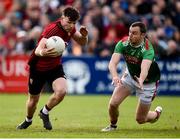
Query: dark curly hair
[{"x": 72, "y": 13}]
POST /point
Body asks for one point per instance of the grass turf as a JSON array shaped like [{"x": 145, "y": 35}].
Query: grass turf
[{"x": 84, "y": 116}]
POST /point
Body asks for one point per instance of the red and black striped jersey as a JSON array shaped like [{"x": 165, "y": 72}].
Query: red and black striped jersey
[{"x": 47, "y": 63}]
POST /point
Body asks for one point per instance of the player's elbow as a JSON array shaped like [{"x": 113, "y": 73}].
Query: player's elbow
[
  {"x": 36, "y": 52},
  {"x": 110, "y": 66}
]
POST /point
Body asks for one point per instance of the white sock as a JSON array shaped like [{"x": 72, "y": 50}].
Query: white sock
[
  {"x": 45, "y": 111},
  {"x": 28, "y": 120}
]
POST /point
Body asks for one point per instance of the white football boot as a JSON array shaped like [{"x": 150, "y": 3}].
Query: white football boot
[
  {"x": 158, "y": 110},
  {"x": 109, "y": 128}
]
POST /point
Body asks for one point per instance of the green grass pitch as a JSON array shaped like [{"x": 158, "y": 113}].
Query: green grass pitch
[{"x": 84, "y": 116}]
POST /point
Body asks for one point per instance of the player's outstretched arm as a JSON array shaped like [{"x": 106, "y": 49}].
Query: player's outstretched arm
[
  {"x": 145, "y": 65},
  {"x": 113, "y": 69}
]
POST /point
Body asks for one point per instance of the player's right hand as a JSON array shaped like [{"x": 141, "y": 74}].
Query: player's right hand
[
  {"x": 139, "y": 82},
  {"x": 116, "y": 81},
  {"x": 83, "y": 30}
]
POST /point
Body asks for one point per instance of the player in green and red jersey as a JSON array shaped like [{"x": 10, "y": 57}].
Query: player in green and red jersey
[{"x": 141, "y": 76}]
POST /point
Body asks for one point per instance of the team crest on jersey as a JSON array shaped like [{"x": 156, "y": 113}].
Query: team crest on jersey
[{"x": 142, "y": 49}]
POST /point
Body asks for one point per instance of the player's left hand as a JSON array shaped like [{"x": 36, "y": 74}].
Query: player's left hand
[
  {"x": 140, "y": 82},
  {"x": 49, "y": 52},
  {"x": 83, "y": 30}
]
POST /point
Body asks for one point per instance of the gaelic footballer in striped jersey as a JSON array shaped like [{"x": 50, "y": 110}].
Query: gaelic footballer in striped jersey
[{"x": 45, "y": 66}]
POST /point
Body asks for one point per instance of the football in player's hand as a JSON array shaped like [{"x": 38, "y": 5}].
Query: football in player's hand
[{"x": 57, "y": 43}]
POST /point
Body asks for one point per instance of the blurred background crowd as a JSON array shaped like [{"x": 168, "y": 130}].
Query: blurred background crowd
[{"x": 108, "y": 21}]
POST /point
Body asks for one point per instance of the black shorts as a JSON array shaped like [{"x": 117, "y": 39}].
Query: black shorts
[{"x": 37, "y": 79}]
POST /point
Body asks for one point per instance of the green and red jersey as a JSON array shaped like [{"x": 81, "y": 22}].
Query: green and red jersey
[{"x": 134, "y": 56}]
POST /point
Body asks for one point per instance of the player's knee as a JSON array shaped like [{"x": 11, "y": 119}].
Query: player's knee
[
  {"x": 113, "y": 105},
  {"x": 140, "y": 120},
  {"x": 60, "y": 91},
  {"x": 32, "y": 102}
]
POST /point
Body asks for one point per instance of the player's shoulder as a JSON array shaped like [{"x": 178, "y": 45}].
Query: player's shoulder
[
  {"x": 147, "y": 44},
  {"x": 124, "y": 41}
]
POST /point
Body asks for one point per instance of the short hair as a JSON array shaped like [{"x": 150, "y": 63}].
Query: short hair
[
  {"x": 141, "y": 25},
  {"x": 72, "y": 13}
]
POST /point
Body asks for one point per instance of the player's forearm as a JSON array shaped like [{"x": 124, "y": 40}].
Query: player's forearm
[
  {"x": 80, "y": 38},
  {"x": 39, "y": 51},
  {"x": 83, "y": 40},
  {"x": 145, "y": 69},
  {"x": 143, "y": 74},
  {"x": 83, "y": 33},
  {"x": 113, "y": 69},
  {"x": 113, "y": 64}
]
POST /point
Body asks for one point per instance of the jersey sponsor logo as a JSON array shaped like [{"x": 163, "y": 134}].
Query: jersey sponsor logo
[{"x": 132, "y": 59}]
